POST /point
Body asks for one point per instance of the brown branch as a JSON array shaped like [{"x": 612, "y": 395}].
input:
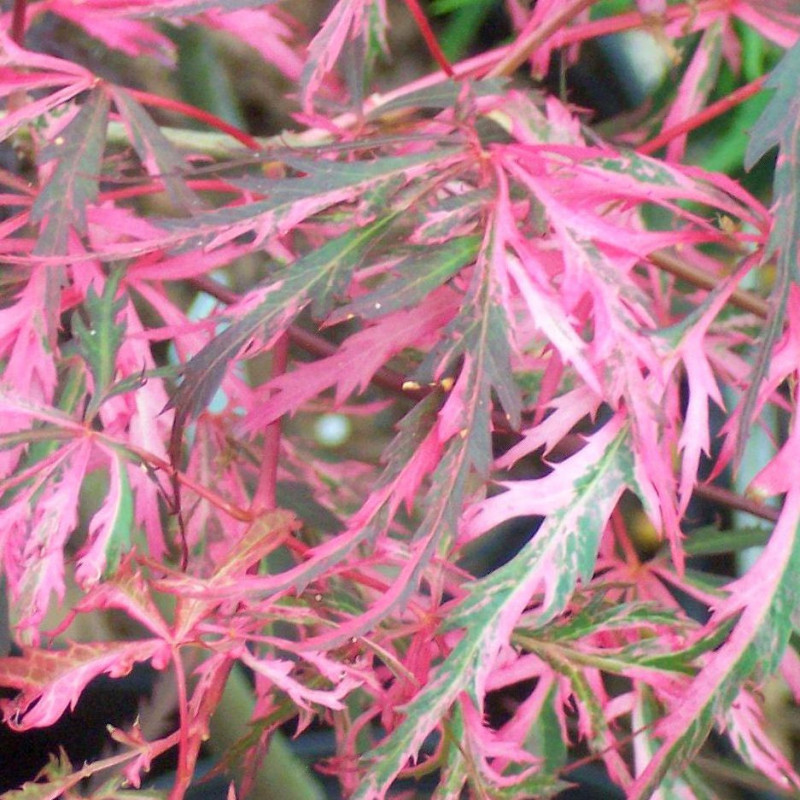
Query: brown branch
[
  {"x": 741, "y": 298},
  {"x": 725, "y": 497}
]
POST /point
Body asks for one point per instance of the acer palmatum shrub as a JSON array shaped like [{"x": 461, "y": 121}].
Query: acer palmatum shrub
[{"x": 532, "y": 319}]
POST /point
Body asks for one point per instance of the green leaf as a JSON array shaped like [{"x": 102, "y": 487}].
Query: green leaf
[
  {"x": 479, "y": 336},
  {"x": 414, "y": 277},
  {"x": 601, "y": 737},
  {"x": 78, "y": 149},
  {"x": 545, "y": 738},
  {"x": 110, "y": 528},
  {"x": 779, "y": 125},
  {"x": 463, "y": 762},
  {"x": 710, "y": 541},
  {"x": 443, "y": 219},
  {"x": 599, "y": 615},
  {"x": 453, "y": 772},
  {"x": 646, "y": 716},
  {"x": 100, "y": 338}
]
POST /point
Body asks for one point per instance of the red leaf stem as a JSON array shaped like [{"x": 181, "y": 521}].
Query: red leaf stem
[
  {"x": 264, "y": 496},
  {"x": 195, "y": 113},
  {"x": 129, "y": 192},
  {"x": 216, "y": 500},
  {"x": 706, "y": 115},
  {"x": 429, "y": 37},
  {"x": 18, "y": 22}
]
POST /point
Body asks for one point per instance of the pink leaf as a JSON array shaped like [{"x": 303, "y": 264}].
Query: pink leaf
[{"x": 50, "y": 681}]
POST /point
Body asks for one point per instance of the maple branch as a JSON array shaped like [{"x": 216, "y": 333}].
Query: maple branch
[
  {"x": 725, "y": 497},
  {"x": 146, "y": 98},
  {"x": 741, "y": 298}
]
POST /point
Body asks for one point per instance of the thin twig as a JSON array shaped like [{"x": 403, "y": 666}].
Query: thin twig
[{"x": 725, "y": 497}]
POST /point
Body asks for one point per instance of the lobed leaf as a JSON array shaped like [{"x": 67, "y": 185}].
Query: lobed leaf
[
  {"x": 355, "y": 363},
  {"x": 314, "y": 278},
  {"x": 110, "y": 529},
  {"x": 413, "y": 278},
  {"x": 561, "y": 552},
  {"x": 779, "y": 124},
  {"x": 292, "y": 200}
]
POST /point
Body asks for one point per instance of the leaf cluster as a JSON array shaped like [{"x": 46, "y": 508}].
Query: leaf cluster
[{"x": 554, "y": 341}]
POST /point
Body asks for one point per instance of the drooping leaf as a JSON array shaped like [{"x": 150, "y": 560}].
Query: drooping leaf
[
  {"x": 78, "y": 151},
  {"x": 41, "y": 520},
  {"x": 128, "y": 590},
  {"x": 480, "y": 335},
  {"x": 594, "y": 723},
  {"x": 50, "y": 681},
  {"x": 28, "y": 71},
  {"x": 437, "y": 528},
  {"x": 110, "y": 529},
  {"x": 255, "y": 544},
  {"x": 352, "y": 367},
  {"x": 472, "y": 752},
  {"x": 292, "y": 200},
  {"x": 352, "y": 29},
  {"x": 697, "y": 83},
  {"x": 413, "y": 278}
]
